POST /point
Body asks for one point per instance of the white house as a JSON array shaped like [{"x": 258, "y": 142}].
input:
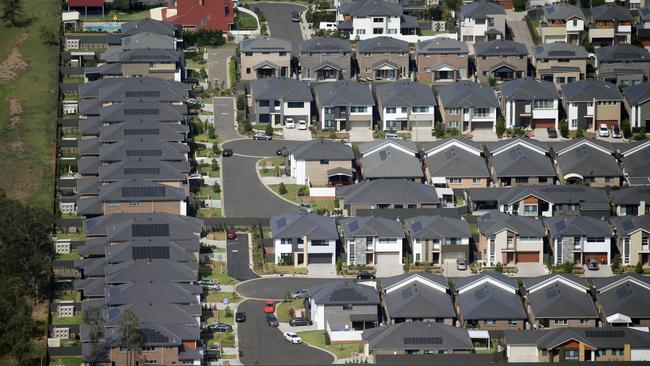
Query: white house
[
  {"x": 365, "y": 19},
  {"x": 482, "y": 21},
  {"x": 300, "y": 239},
  {"x": 529, "y": 102},
  {"x": 577, "y": 239}
]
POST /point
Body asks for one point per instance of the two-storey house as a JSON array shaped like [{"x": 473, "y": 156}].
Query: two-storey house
[
  {"x": 441, "y": 60},
  {"x": 405, "y": 105},
  {"x": 633, "y": 239},
  {"x": 623, "y": 64},
  {"x": 637, "y": 106},
  {"x": 264, "y": 57},
  {"x": 344, "y": 105},
  {"x": 510, "y": 239},
  {"x": 530, "y": 103},
  {"x": 635, "y": 157},
  {"x": 325, "y": 59},
  {"x": 562, "y": 23},
  {"x": 321, "y": 163},
  {"x": 501, "y": 60},
  {"x": 364, "y": 19},
  {"x": 276, "y": 100},
  {"x": 577, "y": 239},
  {"x": 632, "y": 201},
  {"x": 390, "y": 158},
  {"x": 466, "y": 106},
  {"x": 610, "y": 24},
  {"x": 590, "y": 103},
  {"x": 519, "y": 161},
  {"x": 589, "y": 162},
  {"x": 300, "y": 239},
  {"x": 437, "y": 239},
  {"x": 383, "y": 58},
  {"x": 560, "y": 62},
  {"x": 457, "y": 163},
  {"x": 482, "y": 21}
]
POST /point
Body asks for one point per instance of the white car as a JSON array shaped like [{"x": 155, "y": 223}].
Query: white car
[
  {"x": 289, "y": 123},
  {"x": 302, "y": 125},
  {"x": 603, "y": 130},
  {"x": 292, "y": 337},
  {"x": 393, "y": 136}
]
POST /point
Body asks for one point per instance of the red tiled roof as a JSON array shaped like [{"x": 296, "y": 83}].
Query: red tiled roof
[
  {"x": 84, "y": 3},
  {"x": 213, "y": 14}
]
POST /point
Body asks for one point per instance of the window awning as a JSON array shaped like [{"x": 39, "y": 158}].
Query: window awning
[
  {"x": 619, "y": 318},
  {"x": 339, "y": 171}
]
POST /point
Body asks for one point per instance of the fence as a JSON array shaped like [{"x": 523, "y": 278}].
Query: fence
[
  {"x": 223, "y": 222},
  {"x": 322, "y": 192},
  {"x": 65, "y": 351}
]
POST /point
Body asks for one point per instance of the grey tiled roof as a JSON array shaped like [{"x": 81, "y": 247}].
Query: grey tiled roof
[
  {"x": 557, "y": 194},
  {"x": 165, "y": 293},
  {"x": 644, "y": 13},
  {"x": 631, "y": 195},
  {"x": 529, "y": 89},
  {"x": 593, "y": 337},
  {"x": 390, "y": 162},
  {"x": 551, "y": 298},
  {"x": 297, "y": 225},
  {"x": 143, "y": 55},
  {"x": 400, "y": 280},
  {"x": 410, "y": 335},
  {"x": 467, "y": 94},
  {"x": 500, "y": 47},
  {"x": 325, "y": 45},
  {"x": 588, "y": 90},
  {"x": 622, "y": 53},
  {"x": 148, "y": 25},
  {"x": 140, "y": 190},
  {"x": 367, "y": 147},
  {"x": 626, "y": 225},
  {"x": 637, "y": 94},
  {"x": 560, "y": 51},
  {"x": 177, "y": 251},
  {"x": 288, "y": 90},
  {"x": 559, "y": 226},
  {"x": 584, "y": 157},
  {"x": 627, "y": 294},
  {"x": 156, "y": 334},
  {"x": 480, "y": 9},
  {"x": 343, "y": 93},
  {"x": 145, "y": 149},
  {"x": 636, "y": 158},
  {"x": 418, "y": 301},
  {"x": 148, "y": 40},
  {"x": 610, "y": 12},
  {"x": 132, "y": 110},
  {"x": 405, "y": 93},
  {"x": 441, "y": 45},
  {"x": 369, "y": 8},
  {"x": 156, "y": 313},
  {"x": 153, "y": 170},
  {"x": 518, "y": 158},
  {"x": 151, "y": 270},
  {"x": 488, "y": 301},
  {"x": 343, "y": 292},
  {"x": 436, "y": 227},
  {"x": 383, "y": 44},
  {"x": 106, "y": 224},
  {"x": 143, "y": 130},
  {"x": 524, "y": 226},
  {"x": 322, "y": 150},
  {"x": 265, "y": 44},
  {"x": 364, "y": 226},
  {"x": 387, "y": 191},
  {"x": 563, "y": 12},
  {"x": 120, "y": 89}
]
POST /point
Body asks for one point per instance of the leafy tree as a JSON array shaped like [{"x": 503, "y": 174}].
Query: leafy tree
[
  {"x": 216, "y": 188},
  {"x": 215, "y": 165},
  {"x": 500, "y": 126},
  {"x": 248, "y": 127},
  {"x": 130, "y": 337},
  {"x": 498, "y": 267},
  {"x": 564, "y": 128},
  {"x": 12, "y": 11},
  {"x": 93, "y": 318},
  {"x": 519, "y": 5},
  {"x": 216, "y": 149},
  {"x": 438, "y": 130},
  {"x": 269, "y": 130},
  {"x": 580, "y": 133},
  {"x": 19, "y": 335},
  {"x": 48, "y": 37},
  {"x": 211, "y": 133},
  {"x": 638, "y": 268},
  {"x": 282, "y": 189},
  {"x": 626, "y": 129},
  {"x": 567, "y": 267},
  {"x": 241, "y": 102}
]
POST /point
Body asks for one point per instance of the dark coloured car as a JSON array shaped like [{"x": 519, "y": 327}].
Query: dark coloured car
[
  {"x": 552, "y": 132},
  {"x": 616, "y": 132},
  {"x": 295, "y": 16},
  {"x": 231, "y": 235},
  {"x": 300, "y": 322},
  {"x": 240, "y": 317},
  {"x": 365, "y": 275},
  {"x": 226, "y": 152},
  {"x": 272, "y": 321},
  {"x": 221, "y": 327}
]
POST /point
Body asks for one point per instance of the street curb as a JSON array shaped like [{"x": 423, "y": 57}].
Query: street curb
[{"x": 269, "y": 188}]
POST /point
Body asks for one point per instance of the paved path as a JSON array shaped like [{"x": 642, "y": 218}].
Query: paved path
[
  {"x": 520, "y": 31},
  {"x": 225, "y": 125},
  {"x": 238, "y": 259},
  {"x": 218, "y": 66},
  {"x": 278, "y": 19}
]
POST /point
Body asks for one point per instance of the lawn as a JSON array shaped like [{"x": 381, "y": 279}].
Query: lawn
[
  {"x": 232, "y": 71},
  {"x": 272, "y": 169},
  {"x": 72, "y": 256},
  {"x": 206, "y": 192},
  {"x": 219, "y": 296},
  {"x": 292, "y": 195},
  {"x": 27, "y": 141},
  {"x": 65, "y": 296},
  {"x": 121, "y": 16},
  {"x": 227, "y": 340},
  {"x": 71, "y": 236},
  {"x": 316, "y": 338},
  {"x": 66, "y": 361},
  {"x": 282, "y": 310},
  {"x": 272, "y": 268},
  {"x": 209, "y": 212},
  {"x": 219, "y": 274},
  {"x": 207, "y": 170},
  {"x": 245, "y": 21},
  {"x": 219, "y": 317},
  {"x": 66, "y": 321}
]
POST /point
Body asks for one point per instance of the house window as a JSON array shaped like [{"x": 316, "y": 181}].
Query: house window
[
  {"x": 454, "y": 124},
  {"x": 512, "y": 322},
  {"x": 542, "y": 179},
  {"x": 574, "y": 123},
  {"x": 391, "y": 110},
  {"x": 377, "y": 20},
  {"x": 584, "y": 321},
  {"x": 324, "y": 162},
  {"x": 392, "y": 31},
  {"x": 283, "y": 53},
  {"x": 330, "y": 123},
  {"x": 361, "y": 31},
  {"x": 358, "y": 109},
  {"x": 617, "y": 351},
  {"x": 626, "y": 251},
  {"x": 385, "y": 241},
  {"x": 285, "y": 241},
  {"x": 417, "y": 257},
  {"x": 347, "y": 307},
  {"x": 600, "y": 352},
  {"x": 263, "y": 103},
  {"x": 489, "y": 322},
  {"x": 521, "y": 179},
  {"x": 560, "y": 322},
  {"x": 481, "y": 112},
  {"x": 134, "y": 203},
  {"x": 571, "y": 354},
  {"x": 248, "y": 70},
  {"x": 530, "y": 209},
  {"x": 329, "y": 110},
  {"x": 595, "y": 240},
  {"x": 150, "y": 362},
  {"x": 320, "y": 243},
  {"x": 476, "y": 180},
  {"x": 377, "y": 31},
  {"x": 391, "y": 125},
  {"x": 455, "y": 180},
  {"x": 420, "y": 109},
  {"x": 576, "y": 243},
  {"x": 148, "y": 349},
  {"x": 453, "y": 111},
  {"x": 248, "y": 53},
  {"x": 113, "y": 204},
  {"x": 543, "y": 104},
  {"x": 295, "y": 104}
]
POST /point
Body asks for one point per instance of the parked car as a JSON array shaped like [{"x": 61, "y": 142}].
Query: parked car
[
  {"x": 289, "y": 123},
  {"x": 616, "y": 132},
  {"x": 209, "y": 284},
  {"x": 269, "y": 307},
  {"x": 272, "y": 321},
  {"x": 231, "y": 235},
  {"x": 215, "y": 347},
  {"x": 302, "y": 125},
  {"x": 227, "y": 152},
  {"x": 365, "y": 275},
  {"x": 194, "y": 176},
  {"x": 300, "y": 294},
  {"x": 221, "y": 327},
  {"x": 240, "y": 317},
  {"x": 593, "y": 264},
  {"x": 261, "y": 136},
  {"x": 307, "y": 208},
  {"x": 192, "y": 101},
  {"x": 300, "y": 322},
  {"x": 192, "y": 49},
  {"x": 552, "y": 133},
  {"x": 461, "y": 264},
  {"x": 292, "y": 337},
  {"x": 295, "y": 16},
  {"x": 283, "y": 151},
  {"x": 603, "y": 130},
  {"x": 392, "y": 136}
]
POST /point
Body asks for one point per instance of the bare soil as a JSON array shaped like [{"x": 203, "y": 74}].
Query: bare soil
[{"x": 14, "y": 63}]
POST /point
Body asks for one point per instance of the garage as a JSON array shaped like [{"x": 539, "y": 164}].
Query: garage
[
  {"x": 544, "y": 123},
  {"x": 600, "y": 257},
  {"x": 388, "y": 264},
  {"x": 358, "y": 124},
  {"x": 453, "y": 255},
  {"x": 319, "y": 258},
  {"x": 609, "y": 123},
  {"x": 482, "y": 125},
  {"x": 387, "y": 258},
  {"x": 528, "y": 257}
]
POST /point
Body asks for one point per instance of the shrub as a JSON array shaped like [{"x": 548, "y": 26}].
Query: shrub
[
  {"x": 303, "y": 191},
  {"x": 492, "y": 82},
  {"x": 566, "y": 267},
  {"x": 638, "y": 268},
  {"x": 215, "y": 164},
  {"x": 292, "y": 312},
  {"x": 439, "y": 131},
  {"x": 248, "y": 127},
  {"x": 452, "y": 132},
  {"x": 327, "y": 338},
  {"x": 640, "y": 136},
  {"x": 227, "y": 312},
  {"x": 500, "y": 126},
  {"x": 211, "y": 133},
  {"x": 339, "y": 266},
  {"x": 321, "y": 211},
  {"x": 564, "y": 128},
  {"x": 216, "y": 149},
  {"x": 616, "y": 265},
  {"x": 241, "y": 102},
  {"x": 498, "y": 267},
  {"x": 580, "y": 133},
  {"x": 282, "y": 188},
  {"x": 269, "y": 130},
  {"x": 216, "y": 188},
  {"x": 626, "y": 129}
]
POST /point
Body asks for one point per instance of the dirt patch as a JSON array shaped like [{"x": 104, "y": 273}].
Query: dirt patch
[
  {"x": 14, "y": 63},
  {"x": 14, "y": 110}
]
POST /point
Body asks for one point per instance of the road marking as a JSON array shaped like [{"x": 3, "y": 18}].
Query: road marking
[{"x": 234, "y": 251}]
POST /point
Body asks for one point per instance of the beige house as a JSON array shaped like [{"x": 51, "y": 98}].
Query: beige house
[
  {"x": 560, "y": 62},
  {"x": 467, "y": 106},
  {"x": 456, "y": 163},
  {"x": 441, "y": 60},
  {"x": 264, "y": 57},
  {"x": 633, "y": 239},
  {"x": 321, "y": 163},
  {"x": 562, "y": 23},
  {"x": 166, "y": 64},
  {"x": 383, "y": 58},
  {"x": 501, "y": 60},
  {"x": 590, "y": 103},
  {"x": 510, "y": 240}
]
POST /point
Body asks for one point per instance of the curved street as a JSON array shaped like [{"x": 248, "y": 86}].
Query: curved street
[{"x": 275, "y": 288}]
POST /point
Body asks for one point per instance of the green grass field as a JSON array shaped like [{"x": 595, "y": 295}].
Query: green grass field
[
  {"x": 119, "y": 16},
  {"x": 246, "y": 21},
  {"x": 27, "y": 145},
  {"x": 316, "y": 338}
]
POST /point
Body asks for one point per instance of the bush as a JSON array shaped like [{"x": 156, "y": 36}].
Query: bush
[
  {"x": 498, "y": 267},
  {"x": 564, "y": 128},
  {"x": 638, "y": 268},
  {"x": 269, "y": 130},
  {"x": 327, "y": 338},
  {"x": 282, "y": 188},
  {"x": 626, "y": 129},
  {"x": 211, "y": 133},
  {"x": 567, "y": 267},
  {"x": 580, "y": 133},
  {"x": 215, "y": 149},
  {"x": 321, "y": 211},
  {"x": 500, "y": 126},
  {"x": 216, "y": 188},
  {"x": 339, "y": 266},
  {"x": 519, "y": 5},
  {"x": 640, "y": 136},
  {"x": 203, "y": 73},
  {"x": 438, "y": 130},
  {"x": 227, "y": 312},
  {"x": 241, "y": 102},
  {"x": 248, "y": 127},
  {"x": 292, "y": 312},
  {"x": 303, "y": 191},
  {"x": 492, "y": 82},
  {"x": 215, "y": 164},
  {"x": 616, "y": 265}
]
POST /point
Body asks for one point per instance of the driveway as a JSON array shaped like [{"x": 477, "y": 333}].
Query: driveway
[
  {"x": 238, "y": 259},
  {"x": 521, "y": 33},
  {"x": 295, "y": 134},
  {"x": 275, "y": 288},
  {"x": 541, "y": 134},
  {"x": 278, "y": 19},
  {"x": 218, "y": 66},
  {"x": 530, "y": 270},
  {"x": 449, "y": 269},
  {"x": 225, "y": 124},
  {"x": 321, "y": 270},
  {"x": 360, "y": 135},
  {"x": 389, "y": 270},
  {"x": 484, "y": 135},
  {"x": 422, "y": 134},
  {"x": 604, "y": 270},
  {"x": 263, "y": 345}
]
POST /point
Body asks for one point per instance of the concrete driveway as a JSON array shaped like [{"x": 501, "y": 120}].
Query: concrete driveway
[
  {"x": 530, "y": 270},
  {"x": 484, "y": 135},
  {"x": 541, "y": 134},
  {"x": 422, "y": 134},
  {"x": 449, "y": 269},
  {"x": 388, "y": 270},
  {"x": 360, "y": 134},
  {"x": 238, "y": 259},
  {"x": 278, "y": 18},
  {"x": 296, "y": 134},
  {"x": 218, "y": 66},
  {"x": 520, "y": 32},
  {"x": 321, "y": 270},
  {"x": 225, "y": 124},
  {"x": 604, "y": 270}
]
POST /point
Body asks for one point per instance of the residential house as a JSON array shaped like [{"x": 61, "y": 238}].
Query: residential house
[
  {"x": 560, "y": 62},
  {"x": 633, "y": 201},
  {"x": 413, "y": 297},
  {"x": 466, "y": 106},
  {"x": 344, "y": 105},
  {"x": 482, "y": 21},
  {"x": 490, "y": 301},
  {"x": 148, "y": 170},
  {"x": 562, "y": 23},
  {"x": 635, "y": 157},
  {"x": 96, "y": 5},
  {"x": 624, "y": 299},
  {"x": 146, "y": 40},
  {"x": 325, "y": 59},
  {"x": 166, "y": 64},
  {"x": 590, "y": 103},
  {"x": 530, "y": 103},
  {"x": 277, "y": 100},
  {"x": 321, "y": 163},
  {"x": 373, "y": 241},
  {"x": 383, "y": 58},
  {"x": 441, "y": 60},
  {"x": 501, "y": 60},
  {"x": 559, "y": 300},
  {"x": 167, "y": 132},
  {"x": 637, "y": 106},
  {"x": 587, "y": 161},
  {"x": 406, "y": 105},
  {"x": 417, "y": 338},
  {"x": 364, "y": 19},
  {"x": 510, "y": 239},
  {"x": 520, "y": 161},
  {"x": 303, "y": 238},
  {"x": 633, "y": 239},
  {"x": 457, "y": 163},
  {"x": 623, "y": 64},
  {"x": 191, "y": 14},
  {"x": 386, "y": 194},
  {"x": 437, "y": 239},
  {"x": 343, "y": 306},
  {"x": 577, "y": 344},
  {"x": 577, "y": 239},
  {"x": 264, "y": 57},
  {"x": 610, "y": 24},
  {"x": 151, "y": 26},
  {"x": 390, "y": 158},
  {"x": 643, "y": 28}
]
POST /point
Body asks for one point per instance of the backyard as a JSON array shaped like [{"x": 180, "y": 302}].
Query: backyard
[
  {"x": 245, "y": 21},
  {"x": 119, "y": 16},
  {"x": 316, "y": 338}
]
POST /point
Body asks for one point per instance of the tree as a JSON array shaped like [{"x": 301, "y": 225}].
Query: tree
[
  {"x": 519, "y": 5},
  {"x": 580, "y": 133},
  {"x": 269, "y": 130},
  {"x": 130, "y": 337},
  {"x": 241, "y": 102},
  {"x": 626, "y": 129},
  {"x": 438, "y": 130},
  {"x": 500, "y": 126},
  {"x": 19, "y": 335},
  {"x": 215, "y": 165},
  {"x": 12, "y": 11},
  {"x": 498, "y": 267},
  {"x": 93, "y": 318},
  {"x": 216, "y": 187},
  {"x": 564, "y": 128},
  {"x": 282, "y": 189},
  {"x": 48, "y": 37},
  {"x": 638, "y": 268}
]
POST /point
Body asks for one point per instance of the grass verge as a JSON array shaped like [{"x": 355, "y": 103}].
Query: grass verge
[
  {"x": 292, "y": 195},
  {"x": 316, "y": 338},
  {"x": 282, "y": 310}
]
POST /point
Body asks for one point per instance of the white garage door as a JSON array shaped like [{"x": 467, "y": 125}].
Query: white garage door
[
  {"x": 359, "y": 124},
  {"x": 388, "y": 264},
  {"x": 453, "y": 255}
]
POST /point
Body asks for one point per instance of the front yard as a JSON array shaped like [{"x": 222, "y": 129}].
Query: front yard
[
  {"x": 219, "y": 296},
  {"x": 218, "y": 273},
  {"x": 66, "y": 321},
  {"x": 270, "y": 167},
  {"x": 292, "y": 195},
  {"x": 316, "y": 338},
  {"x": 282, "y": 310}
]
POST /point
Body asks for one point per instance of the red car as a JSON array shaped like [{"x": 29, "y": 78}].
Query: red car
[
  {"x": 231, "y": 235},
  {"x": 269, "y": 307}
]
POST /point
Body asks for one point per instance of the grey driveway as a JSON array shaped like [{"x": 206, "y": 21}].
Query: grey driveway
[
  {"x": 278, "y": 18},
  {"x": 277, "y": 288},
  {"x": 530, "y": 270},
  {"x": 218, "y": 66},
  {"x": 260, "y": 344},
  {"x": 604, "y": 270},
  {"x": 521, "y": 34},
  {"x": 238, "y": 260},
  {"x": 224, "y": 118}
]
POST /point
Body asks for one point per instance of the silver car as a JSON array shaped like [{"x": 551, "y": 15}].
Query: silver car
[{"x": 461, "y": 264}]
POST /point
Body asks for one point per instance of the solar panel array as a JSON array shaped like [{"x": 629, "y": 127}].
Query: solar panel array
[
  {"x": 143, "y": 94},
  {"x": 141, "y": 131},
  {"x": 354, "y": 226},
  {"x": 141, "y": 111},
  {"x": 153, "y": 252},
  {"x": 282, "y": 222},
  {"x": 559, "y": 53},
  {"x": 605, "y": 333},
  {"x": 152, "y": 336},
  {"x": 560, "y": 225},
  {"x": 347, "y": 294},
  {"x": 149, "y": 57},
  {"x": 416, "y": 226},
  {"x": 422, "y": 340},
  {"x": 141, "y": 171},
  {"x": 137, "y": 152},
  {"x": 143, "y": 192},
  {"x": 144, "y": 230}
]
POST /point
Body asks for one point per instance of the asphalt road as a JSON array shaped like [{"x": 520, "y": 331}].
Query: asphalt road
[
  {"x": 218, "y": 66},
  {"x": 276, "y": 288},
  {"x": 278, "y": 18},
  {"x": 263, "y": 345},
  {"x": 224, "y": 118},
  {"x": 237, "y": 254}
]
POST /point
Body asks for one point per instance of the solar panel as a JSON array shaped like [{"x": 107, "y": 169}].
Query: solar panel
[
  {"x": 552, "y": 293},
  {"x": 605, "y": 333},
  {"x": 561, "y": 53},
  {"x": 149, "y": 57},
  {"x": 143, "y": 191},
  {"x": 353, "y": 226},
  {"x": 407, "y": 293},
  {"x": 143, "y": 152},
  {"x": 622, "y": 292},
  {"x": 347, "y": 294},
  {"x": 416, "y": 226},
  {"x": 141, "y": 131},
  {"x": 383, "y": 155},
  {"x": 627, "y": 225},
  {"x": 422, "y": 340},
  {"x": 144, "y": 230},
  {"x": 141, "y": 111},
  {"x": 150, "y": 253},
  {"x": 560, "y": 225},
  {"x": 449, "y": 155},
  {"x": 282, "y": 222},
  {"x": 143, "y": 93},
  {"x": 153, "y": 336},
  {"x": 515, "y": 154},
  {"x": 480, "y": 294},
  {"x": 141, "y": 171}
]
